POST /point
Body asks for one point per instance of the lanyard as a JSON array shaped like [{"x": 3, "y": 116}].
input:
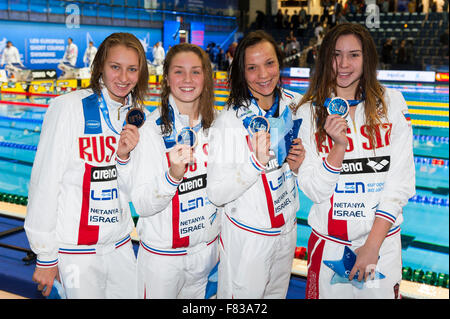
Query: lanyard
[
  {"x": 169, "y": 140},
  {"x": 196, "y": 128},
  {"x": 104, "y": 109},
  {"x": 273, "y": 108},
  {"x": 247, "y": 120}
]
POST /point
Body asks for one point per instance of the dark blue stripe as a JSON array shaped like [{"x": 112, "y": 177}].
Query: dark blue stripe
[{"x": 92, "y": 122}]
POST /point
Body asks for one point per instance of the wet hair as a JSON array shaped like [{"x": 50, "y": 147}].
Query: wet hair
[
  {"x": 206, "y": 100},
  {"x": 239, "y": 90},
  {"x": 323, "y": 80},
  {"x": 128, "y": 40}
]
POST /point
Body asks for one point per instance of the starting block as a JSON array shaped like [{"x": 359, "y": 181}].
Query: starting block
[
  {"x": 15, "y": 87},
  {"x": 66, "y": 85},
  {"x": 42, "y": 86},
  {"x": 221, "y": 75},
  {"x": 85, "y": 83},
  {"x": 17, "y": 72},
  {"x": 154, "y": 69},
  {"x": 3, "y": 77},
  {"x": 71, "y": 72}
]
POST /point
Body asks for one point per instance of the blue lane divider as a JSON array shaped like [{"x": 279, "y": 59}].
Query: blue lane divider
[
  {"x": 430, "y": 138},
  {"x": 18, "y": 146},
  {"x": 430, "y": 161},
  {"x": 430, "y": 200},
  {"x": 417, "y": 159},
  {"x": 20, "y": 119}
]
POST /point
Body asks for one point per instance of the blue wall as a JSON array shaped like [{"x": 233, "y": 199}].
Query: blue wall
[{"x": 42, "y": 45}]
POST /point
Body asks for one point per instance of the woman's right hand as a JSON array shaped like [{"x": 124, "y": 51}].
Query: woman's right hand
[
  {"x": 336, "y": 127},
  {"x": 261, "y": 146},
  {"x": 180, "y": 156},
  {"x": 45, "y": 277}
]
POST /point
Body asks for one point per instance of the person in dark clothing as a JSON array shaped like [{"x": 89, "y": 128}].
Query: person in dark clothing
[
  {"x": 386, "y": 54},
  {"x": 410, "y": 59},
  {"x": 279, "y": 19},
  {"x": 401, "y": 53}
]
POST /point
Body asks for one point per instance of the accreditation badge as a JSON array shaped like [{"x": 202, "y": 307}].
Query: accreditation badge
[
  {"x": 339, "y": 106},
  {"x": 135, "y": 116},
  {"x": 187, "y": 136}
]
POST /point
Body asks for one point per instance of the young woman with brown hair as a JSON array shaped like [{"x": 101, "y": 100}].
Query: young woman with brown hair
[
  {"x": 252, "y": 174},
  {"x": 358, "y": 170},
  {"x": 78, "y": 221},
  {"x": 166, "y": 179}
]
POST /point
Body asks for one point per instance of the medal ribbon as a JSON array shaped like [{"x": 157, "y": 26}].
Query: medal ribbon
[
  {"x": 169, "y": 140},
  {"x": 246, "y": 121},
  {"x": 104, "y": 109}
]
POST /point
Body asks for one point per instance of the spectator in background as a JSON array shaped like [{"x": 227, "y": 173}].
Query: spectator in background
[
  {"x": 288, "y": 47},
  {"x": 341, "y": 18},
  {"x": 229, "y": 54},
  {"x": 311, "y": 54},
  {"x": 410, "y": 60},
  {"x": 386, "y": 54},
  {"x": 220, "y": 58},
  {"x": 412, "y": 6},
  {"x": 419, "y": 6},
  {"x": 320, "y": 38},
  {"x": 326, "y": 7},
  {"x": 295, "y": 21},
  {"x": 391, "y": 5},
  {"x": 352, "y": 6},
  {"x": 294, "y": 60},
  {"x": 279, "y": 19},
  {"x": 444, "y": 41},
  {"x": 89, "y": 54},
  {"x": 302, "y": 15},
  {"x": 292, "y": 45},
  {"x": 301, "y": 29},
  {"x": 10, "y": 55},
  {"x": 260, "y": 19},
  {"x": 232, "y": 49},
  {"x": 71, "y": 53},
  {"x": 319, "y": 28},
  {"x": 433, "y": 7},
  {"x": 228, "y": 60},
  {"x": 385, "y": 6},
  {"x": 444, "y": 13},
  {"x": 158, "y": 53},
  {"x": 401, "y": 53},
  {"x": 286, "y": 19},
  {"x": 337, "y": 7},
  {"x": 213, "y": 52}
]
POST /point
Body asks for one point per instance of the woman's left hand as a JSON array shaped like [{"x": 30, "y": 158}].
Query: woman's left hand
[
  {"x": 296, "y": 155},
  {"x": 365, "y": 264},
  {"x": 129, "y": 137}
]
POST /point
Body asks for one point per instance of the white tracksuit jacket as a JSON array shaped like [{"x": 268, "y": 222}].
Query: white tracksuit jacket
[
  {"x": 174, "y": 215},
  {"x": 371, "y": 183},
  {"x": 262, "y": 200},
  {"x": 74, "y": 202}
]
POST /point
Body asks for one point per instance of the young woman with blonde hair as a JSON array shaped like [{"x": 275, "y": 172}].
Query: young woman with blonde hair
[{"x": 78, "y": 221}]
